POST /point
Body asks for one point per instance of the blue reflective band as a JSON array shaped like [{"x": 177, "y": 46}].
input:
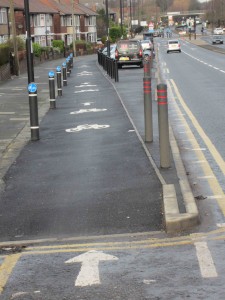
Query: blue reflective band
[
  {"x": 51, "y": 74},
  {"x": 64, "y": 64},
  {"x": 32, "y": 88},
  {"x": 58, "y": 68}
]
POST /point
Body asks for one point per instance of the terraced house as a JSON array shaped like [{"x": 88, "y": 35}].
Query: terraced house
[{"x": 50, "y": 19}]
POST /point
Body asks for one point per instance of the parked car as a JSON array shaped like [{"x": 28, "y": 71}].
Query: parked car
[
  {"x": 217, "y": 39},
  {"x": 218, "y": 31},
  {"x": 129, "y": 52},
  {"x": 173, "y": 46},
  {"x": 112, "y": 50}
]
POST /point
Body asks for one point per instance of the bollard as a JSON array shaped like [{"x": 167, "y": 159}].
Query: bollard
[
  {"x": 163, "y": 126},
  {"x": 147, "y": 69},
  {"x": 116, "y": 72},
  {"x": 148, "y": 109},
  {"x": 64, "y": 74},
  {"x": 33, "y": 104},
  {"x": 59, "y": 80},
  {"x": 71, "y": 59},
  {"x": 67, "y": 67},
  {"x": 51, "y": 76}
]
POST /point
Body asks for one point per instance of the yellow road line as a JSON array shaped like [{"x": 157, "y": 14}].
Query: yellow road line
[
  {"x": 111, "y": 248},
  {"x": 6, "y": 269},
  {"x": 212, "y": 181}
]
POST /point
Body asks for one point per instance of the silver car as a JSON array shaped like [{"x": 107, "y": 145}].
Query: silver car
[
  {"x": 217, "y": 39},
  {"x": 173, "y": 46}
]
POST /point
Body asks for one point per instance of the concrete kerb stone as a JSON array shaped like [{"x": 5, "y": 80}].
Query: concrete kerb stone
[{"x": 173, "y": 219}]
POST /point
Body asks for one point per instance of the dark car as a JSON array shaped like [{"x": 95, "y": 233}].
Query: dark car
[{"x": 129, "y": 52}]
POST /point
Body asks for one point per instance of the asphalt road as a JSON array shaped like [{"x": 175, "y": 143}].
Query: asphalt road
[
  {"x": 88, "y": 174},
  {"x": 131, "y": 266}
]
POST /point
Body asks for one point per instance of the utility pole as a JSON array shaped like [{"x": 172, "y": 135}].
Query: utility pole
[
  {"x": 30, "y": 66},
  {"x": 14, "y": 39},
  {"x": 121, "y": 18},
  {"x": 73, "y": 24},
  {"x": 107, "y": 27}
]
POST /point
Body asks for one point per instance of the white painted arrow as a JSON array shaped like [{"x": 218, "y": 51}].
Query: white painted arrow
[{"x": 89, "y": 272}]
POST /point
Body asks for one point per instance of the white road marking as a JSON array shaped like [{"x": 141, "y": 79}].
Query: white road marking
[
  {"x": 86, "y": 126},
  {"x": 82, "y": 111},
  {"x": 84, "y": 85},
  {"x": 7, "y": 113},
  {"x": 220, "y": 225},
  {"x": 205, "y": 260},
  {"x": 84, "y": 91},
  {"x": 87, "y": 103},
  {"x": 149, "y": 281},
  {"x": 89, "y": 272}
]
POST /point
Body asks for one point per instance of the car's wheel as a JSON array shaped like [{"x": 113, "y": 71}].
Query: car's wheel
[
  {"x": 119, "y": 66},
  {"x": 141, "y": 65},
  {"x": 180, "y": 51},
  {"x": 168, "y": 51}
]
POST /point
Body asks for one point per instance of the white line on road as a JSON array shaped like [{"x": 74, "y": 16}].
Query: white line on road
[
  {"x": 205, "y": 260},
  {"x": 7, "y": 113}
]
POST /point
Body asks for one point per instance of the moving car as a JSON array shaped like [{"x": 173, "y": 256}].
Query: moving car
[
  {"x": 129, "y": 52},
  {"x": 217, "y": 39},
  {"x": 173, "y": 46},
  {"x": 218, "y": 31}
]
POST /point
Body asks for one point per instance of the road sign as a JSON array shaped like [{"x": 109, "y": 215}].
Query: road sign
[
  {"x": 51, "y": 74},
  {"x": 32, "y": 87}
]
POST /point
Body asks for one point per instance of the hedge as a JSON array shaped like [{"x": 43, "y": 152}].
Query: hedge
[{"x": 4, "y": 54}]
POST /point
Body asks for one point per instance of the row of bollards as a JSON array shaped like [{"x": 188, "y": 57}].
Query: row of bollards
[
  {"x": 163, "y": 122},
  {"x": 61, "y": 75},
  {"x": 109, "y": 65}
]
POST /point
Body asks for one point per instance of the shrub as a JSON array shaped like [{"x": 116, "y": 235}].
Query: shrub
[
  {"x": 4, "y": 54},
  {"x": 58, "y": 44},
  {"x": 36, "y": 49},
  {"x": 20, "y": 44}
]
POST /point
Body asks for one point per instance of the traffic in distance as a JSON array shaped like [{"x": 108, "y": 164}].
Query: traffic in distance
[{"x": 134, "y": 52}]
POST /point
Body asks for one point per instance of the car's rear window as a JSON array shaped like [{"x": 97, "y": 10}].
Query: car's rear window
[
  {"x": 173, "y": 42},
  {"x": 127, "y": 46}
]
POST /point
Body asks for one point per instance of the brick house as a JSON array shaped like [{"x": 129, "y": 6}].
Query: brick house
[{"x": 50, "y": 19}]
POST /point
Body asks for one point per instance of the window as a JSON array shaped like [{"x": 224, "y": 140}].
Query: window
[
  {"x": 3, "y": 38},
  {"x": 90, "y": 21},
  {"x": 3, "y": 16},
  {"x": 42, "y": 20}
]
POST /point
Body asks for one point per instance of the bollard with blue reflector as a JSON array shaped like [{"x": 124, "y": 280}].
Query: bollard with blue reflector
[
  {"x": 51, "y": 77},
  {"x": 71, "y": 60},
  {"x": 59, "y": 80},
  {"x": 68, "y": 67},
  {"x": 33, "y": 105},
  {"x": 64, "y": 74}
]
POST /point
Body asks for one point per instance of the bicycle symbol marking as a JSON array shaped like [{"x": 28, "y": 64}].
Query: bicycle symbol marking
[{"x": 86, "y": 126}]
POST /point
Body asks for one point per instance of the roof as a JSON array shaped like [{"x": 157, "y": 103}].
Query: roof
[
  {"x": 36, "y": 6},
  {"x": 63, "y": 7}
]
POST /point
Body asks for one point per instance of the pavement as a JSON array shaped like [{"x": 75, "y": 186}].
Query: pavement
[{"x": 154, "y": 187}]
